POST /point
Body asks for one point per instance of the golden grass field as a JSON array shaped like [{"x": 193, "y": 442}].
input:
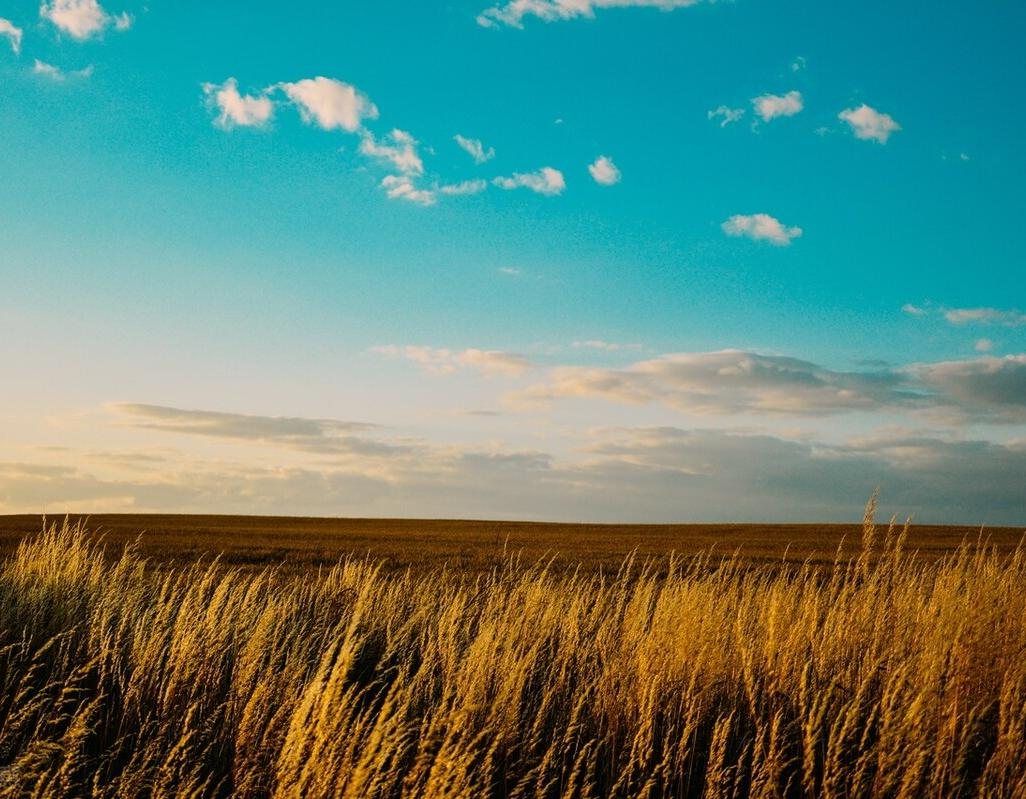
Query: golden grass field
[{"x": 137, "y": 674}]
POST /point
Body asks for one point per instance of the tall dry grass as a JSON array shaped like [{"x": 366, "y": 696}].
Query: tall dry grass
[{"x": 884, "y": 677}]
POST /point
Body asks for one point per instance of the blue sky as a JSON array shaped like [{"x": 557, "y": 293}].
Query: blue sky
[{"x": 712, "y": 260}]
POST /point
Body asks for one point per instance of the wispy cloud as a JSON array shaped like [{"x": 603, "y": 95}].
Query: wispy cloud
[
  {"x": 726, "y": 115},
  {"x": 464, "y": 187},
  {"x": 235, "y": 109},
  {"x": 547, "y": 181},
  {"x": 398, "y": 147},
  {"x": 12, "y": 33},
  {"x": 985, "y": 316},
  {"x": 869, "y": 124},
  {"x": 513, "y": 13},
  {"x": 475, "y": 149},
  {"x": 761, "y": 227},
  {"x": 57, "y": 74},
  {"x": 1002, "y": 317},
  {"x": 82, "y": 19},
  {"x": 604, "y": 172},
  {"x": 771, "y": 106},
  {"x": 402, "y": 187},
  {"x": 330, "y": 104},
  {"x": 605, "y": 346},
  {"x": 304, "y": 434},
  {"x": 444, "y": 361}
]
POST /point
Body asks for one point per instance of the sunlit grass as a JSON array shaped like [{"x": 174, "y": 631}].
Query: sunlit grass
[{"x": 882, "y": 676}]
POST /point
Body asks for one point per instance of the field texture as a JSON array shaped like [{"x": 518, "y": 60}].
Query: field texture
[
  {"x": 423, "y": 546},
  {"x": 882, "y": 676}
]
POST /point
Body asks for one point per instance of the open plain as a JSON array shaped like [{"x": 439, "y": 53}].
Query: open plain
[{"x": 423, "y": 545}]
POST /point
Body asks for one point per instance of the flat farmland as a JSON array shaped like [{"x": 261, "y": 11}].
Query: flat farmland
[{"x": 422, "y": 545}]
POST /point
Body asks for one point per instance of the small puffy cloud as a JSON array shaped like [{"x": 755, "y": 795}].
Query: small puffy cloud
[
  {"x": 513, "y": 12},
  {"x": 798, "y": 64},
  {"x": 761, "y": 227},
  {"x": 331, "y": 104},
  {"x": 726, "y": 115},
  {"x": 985, "y": 316},
  {"x": 402, "y": 187},
  {"x": 444, "y": 361},
  {"x": 235, "y": 109},
  {"x": 13, "y": 34},
  {"x": 82, "y": 19},
  {"x": 869, "y": 124},
  {"x": 913, "y": 310},
  {"x": 57, "y": 74},
  {"x": 512, "y": 271},
  {"x": 604, "y": 171},
  {"x": 466, "y": 187},
  {"x": 547, "y": 181},
  {"x": 398, "y": 147},
  {"x": 771, "y": 106},
  {"x": 984, "y": 345},
  {"x": 475, "y": 149}
]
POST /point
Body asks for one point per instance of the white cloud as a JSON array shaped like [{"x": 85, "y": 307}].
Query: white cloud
[
  {"x": 726, "y": 382},
  {"x": 730, "y": 382},
  {"x": 761, "y": 227},
  {"x": 330, "y": 103},
  {"x": 913, "y": 310},
  {"x": 547, "y": 181},
  {"x": 771, "y": 106},
  {"x": 512, "y": 13},
  {"x": 475, "y": 149},
  {"x": 401, "y": 152},
  {"x": 604, "y": 171},
  {"x": 82, "y": 19},
  {"x": 13, "y": 33},
  {"x": 985, "y": 316},
  {"x": 869, "y": 124},
  {"x": 444, "y": 361},
  {"x": 606, "y": 346},
  {"x": 729, "y": 115},
  {"x": 798, "y": 64},
  {"x": 466, "y": 187},
  {"x": 984, "y": 345},
  {"x": 510, "y": 270},
  {"x": 56, "y": 73},
  {"x": 987, "y": 388},
  {"x": 237, "y": 109},
  {"x": 401, "y": 187}
]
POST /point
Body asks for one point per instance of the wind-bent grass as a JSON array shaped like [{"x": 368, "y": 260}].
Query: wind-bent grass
[{"x": 883, "y": 677}]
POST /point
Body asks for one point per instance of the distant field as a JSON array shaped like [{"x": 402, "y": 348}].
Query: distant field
[{"x": 476, "y": 546}]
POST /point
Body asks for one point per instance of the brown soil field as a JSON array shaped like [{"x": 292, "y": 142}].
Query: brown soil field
[{"x": 420, "y": 545}]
